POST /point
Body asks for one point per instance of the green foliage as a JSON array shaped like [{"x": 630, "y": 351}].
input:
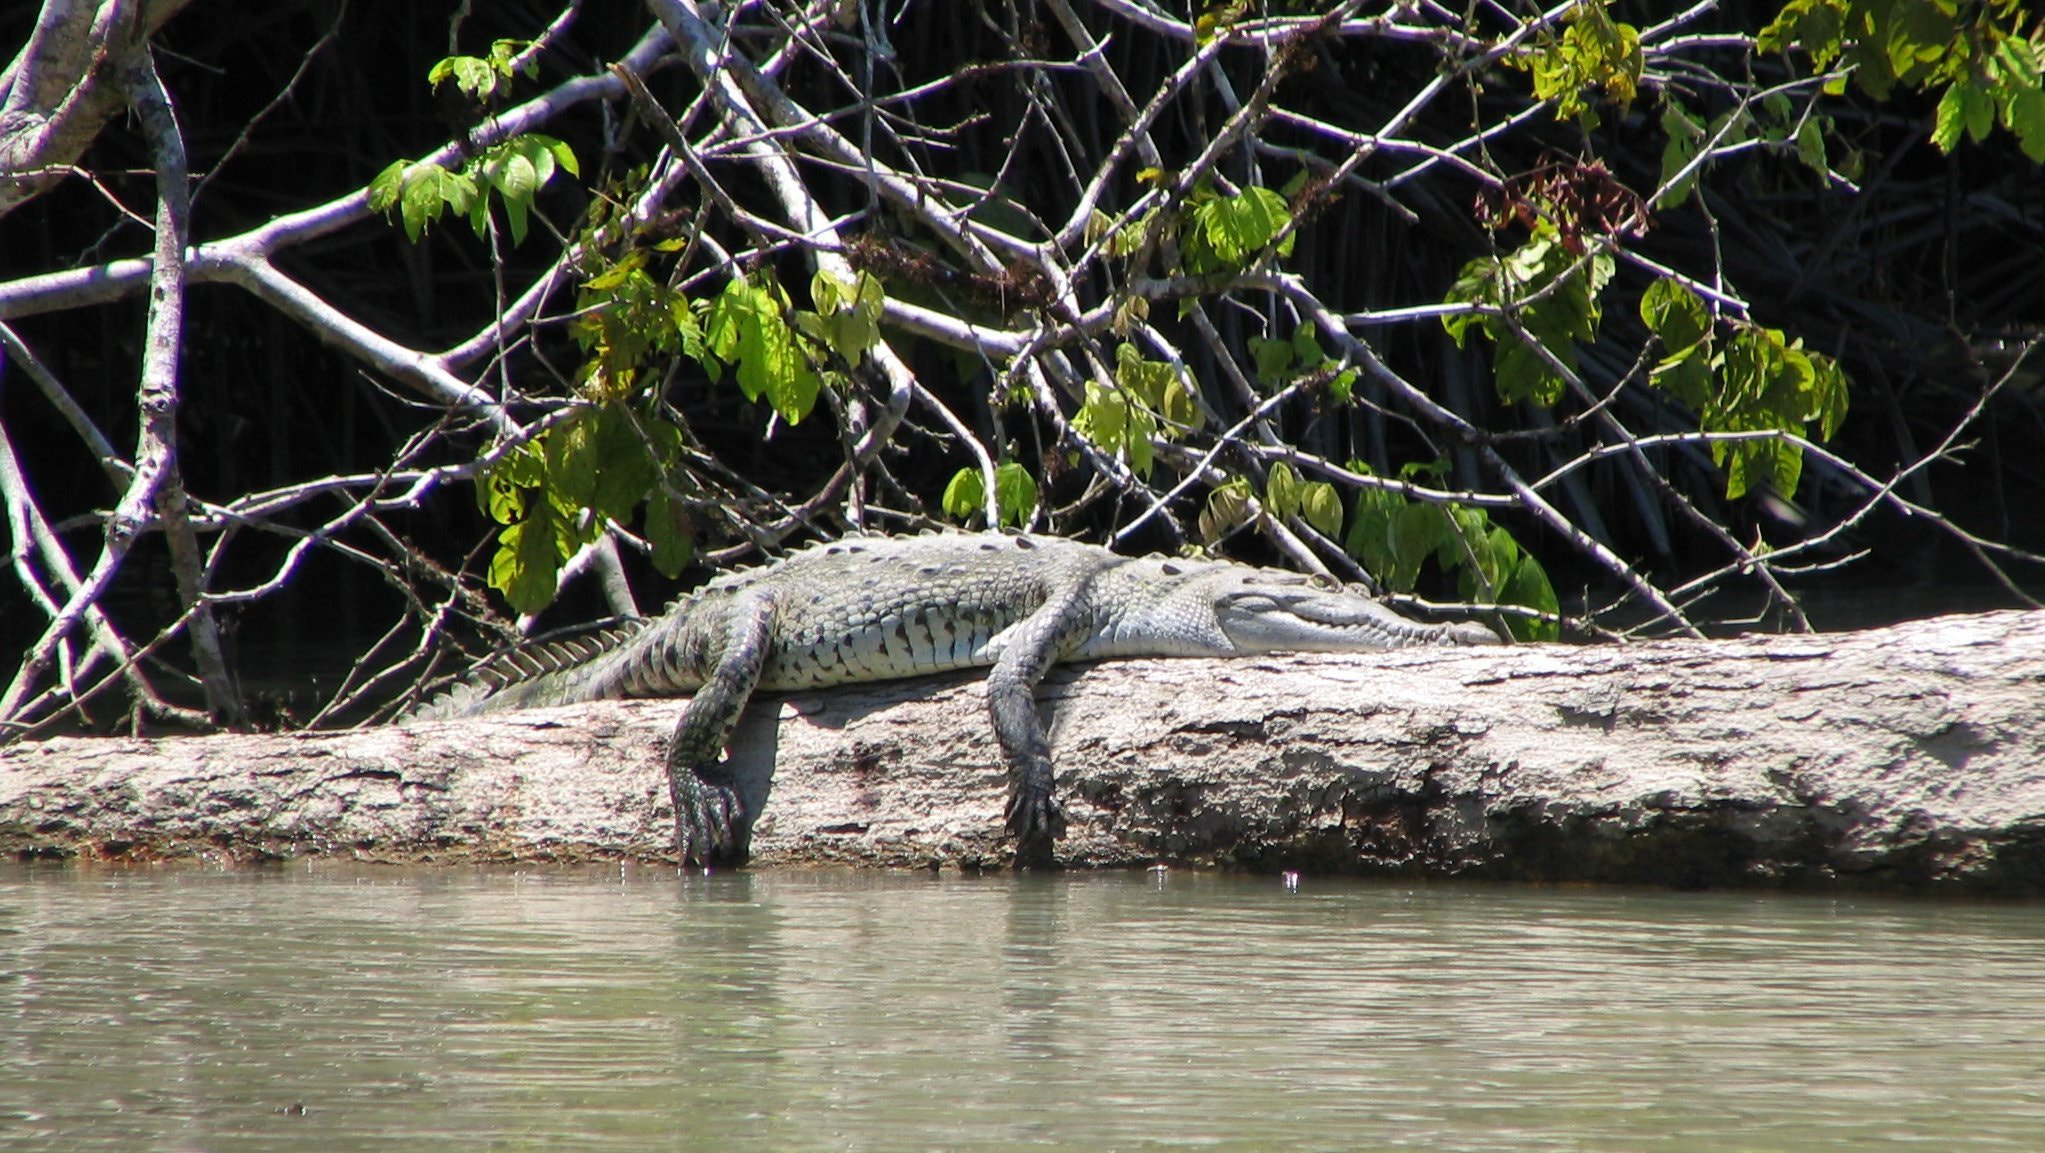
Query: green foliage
[
  {"x": 623, "y": 317},
  {"x": 1278, "y": 361},
  {"x": 1393, "y": 536},
  {"x": 422, "y": 191},
  {"x": 1990, "y": 70},
  {"x": 1755, "y": 381},
  {"x": 1108, "y": 418},
  {"x": 1216, "y": 18},
  {"x": 1149, "y": 398},
  {"x": 1687, "y": 136},
  {"x": 1777, "y": 120},
  {"x": 1227, "y": 509},
  {"x": 1314, "y": 501},
  {"x": 1594, "y": 52},
  {"x": 745, "y": 325},
  {"x": 1015, "y": 494},
  {"x": 554, "y": 493},
  {"x": 965, "y": 495},
  {"x": 515, "y": 169},
  {"x": 848, "y": 314},
  {"x": 1127, "y": 242},
  {"x": 1229, "y": 232},
  {"x": 485, "y": 78},
  {"x": 1554, "y": 294}
]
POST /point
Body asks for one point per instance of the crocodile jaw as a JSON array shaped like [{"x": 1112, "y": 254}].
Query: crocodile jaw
[
  {"x": 1272, "y": 621},
  {"x": 1158, "y": 607}
]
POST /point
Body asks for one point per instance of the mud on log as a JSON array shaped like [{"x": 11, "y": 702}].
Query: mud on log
[{"x": 1903, "y": 757}]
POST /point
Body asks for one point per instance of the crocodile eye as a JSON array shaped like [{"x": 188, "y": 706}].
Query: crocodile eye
[{"x": 1325, "y": 582}]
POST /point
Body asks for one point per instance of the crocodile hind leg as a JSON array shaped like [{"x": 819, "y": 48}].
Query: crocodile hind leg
[
  {"x": 1034, "y": 817},
  {"x": 710, "y": 824}
]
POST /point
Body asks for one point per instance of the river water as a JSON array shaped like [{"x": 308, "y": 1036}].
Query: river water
[{"x": 339, "y": 1008}]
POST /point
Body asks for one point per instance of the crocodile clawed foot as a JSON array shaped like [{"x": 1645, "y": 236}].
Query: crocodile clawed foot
[
  {"x": 1035, "y": 821},
  {"x": 708, "y": 823}
]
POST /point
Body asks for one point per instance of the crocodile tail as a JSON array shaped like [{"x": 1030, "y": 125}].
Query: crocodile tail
[{"x": 547, "y": 670}]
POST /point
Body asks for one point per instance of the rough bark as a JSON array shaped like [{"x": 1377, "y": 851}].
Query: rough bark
[
  {"x": 1900, "y": 757},
  {"x": 55, "y": 95}
]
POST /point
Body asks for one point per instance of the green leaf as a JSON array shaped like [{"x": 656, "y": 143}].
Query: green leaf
[
  {"x": 2026, "y": 115},
  {"x": 503, "y": 51},
  {"x": 1520, "y": 373},
  {"x": 470, "y": 74},
  {"x": 571, "y": 462},
  {"x": 1229, "y": 230},
  {"x": 1146, "y": 380},
  {"x": 1281, "y": 491},
  {"x": 746, "y": 325},
  {"x": 1828, "y": 396},
  {"x": 1306, "y": 349},
  {"x": 1180, "y": 409},
  {"x": 420, "y": 204},
  {"x": 1273, "y": 359},
  {"x": 667, "y": 530},
  {"x": 1810, "y": 146},
  {"x": 1103, "y": 417},
  {"x": 1417, "y": 530},
  {"x": 1685, "y": 134},
  {"x": 1688, "y": 379},
  {"x": 1477, "y": 284},
  {"x": 513, "y": 175},
  {"x": 1142, "y": 426},
  {"x": 501, "y": 489},
  {"x": 388, "y": 186},
  {"x": 1498, "y": 553},
  {"x": 528, "y": 559},
  {"x": 1528, "y": 585},
  {"x": 1676, "y": 315},
  {"x": 625, "y": 467},
  {"x": 430, "y": 190},
  {"x": 562, "y": 154},
  {"x": 1369, "y": 539},
  {"x": 1320, "y": 507},
  {"x": 1098, "y": 225},
  {"x": 1951, "y": 118},
  {"x": 1464, "y": 544},
  {"x": 1813, "y": 25},
  {"x": 965, "y": 495},
  {"x": 1979, "y": 107},
  {"x": 1015, "y": 493},
  {"x": 849, "y": 311},
  {"x": 1227, "y": 509}
]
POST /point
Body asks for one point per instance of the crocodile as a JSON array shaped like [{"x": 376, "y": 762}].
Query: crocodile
[{"x": 884, "y": 608}]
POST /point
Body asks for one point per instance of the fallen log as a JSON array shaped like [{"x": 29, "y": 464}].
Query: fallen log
[{"x": 1910, "y": 756}]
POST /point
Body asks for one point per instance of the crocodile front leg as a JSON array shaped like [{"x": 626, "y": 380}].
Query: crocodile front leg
[
  {"x": 1034, "y": 817},
  {"x": 710, "y": 825}
]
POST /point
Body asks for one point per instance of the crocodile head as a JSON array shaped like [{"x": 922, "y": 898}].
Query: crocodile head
[{"x": 1270, "y": 611}]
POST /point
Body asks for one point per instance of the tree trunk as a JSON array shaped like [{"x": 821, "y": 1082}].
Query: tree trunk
[{"x": 1901, "y": 757}]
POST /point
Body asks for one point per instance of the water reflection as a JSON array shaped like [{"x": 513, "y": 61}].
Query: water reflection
[{"x": 341, "y": 1009}]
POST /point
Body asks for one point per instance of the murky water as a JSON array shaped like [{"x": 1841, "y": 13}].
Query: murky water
[{"x": 336, "y": 1009}]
